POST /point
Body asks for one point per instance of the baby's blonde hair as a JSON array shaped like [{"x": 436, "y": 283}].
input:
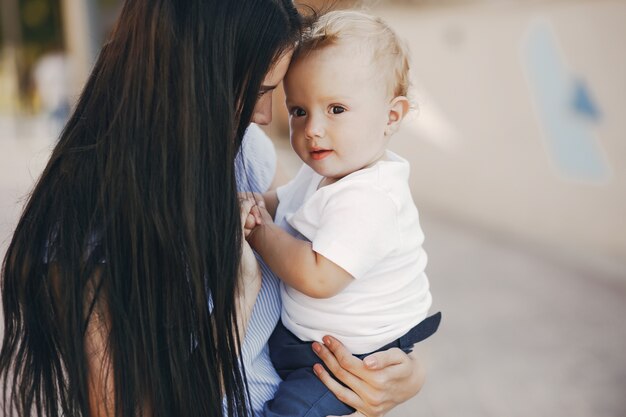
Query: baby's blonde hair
[{"x": 387, "y": 50}]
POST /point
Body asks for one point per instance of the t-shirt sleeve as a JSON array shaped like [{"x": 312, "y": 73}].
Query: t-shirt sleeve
[
  {"x": 255, "y": 164},
  {"x": 358, "y": 228}
]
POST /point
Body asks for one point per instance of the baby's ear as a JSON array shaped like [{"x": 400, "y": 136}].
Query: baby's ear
[{"x": 398, "y": 108}]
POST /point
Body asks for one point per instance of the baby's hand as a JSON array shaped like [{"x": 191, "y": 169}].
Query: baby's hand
[{"x": 261, "y": 215}]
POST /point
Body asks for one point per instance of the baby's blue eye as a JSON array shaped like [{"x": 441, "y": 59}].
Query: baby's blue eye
[{"x": 337, "y": 110}]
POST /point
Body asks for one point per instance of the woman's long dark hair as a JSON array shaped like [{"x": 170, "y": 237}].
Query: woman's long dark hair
[{"x": 137, "y": 211}]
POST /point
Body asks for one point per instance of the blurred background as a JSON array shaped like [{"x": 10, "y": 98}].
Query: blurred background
[{"x": 518, "y": 154}]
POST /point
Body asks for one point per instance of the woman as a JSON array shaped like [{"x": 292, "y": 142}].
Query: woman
[{"x": 134, "y": 224}]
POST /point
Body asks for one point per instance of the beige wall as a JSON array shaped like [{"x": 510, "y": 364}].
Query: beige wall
[{"x": 478, "y": 148}]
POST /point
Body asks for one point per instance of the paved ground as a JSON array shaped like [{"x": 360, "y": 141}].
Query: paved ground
[{"x": 525, "y": 333}]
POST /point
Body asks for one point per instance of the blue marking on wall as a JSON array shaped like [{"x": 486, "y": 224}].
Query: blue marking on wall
[
  {"x": 565, "y": 106},
  {"x": 583, "y": 103}
]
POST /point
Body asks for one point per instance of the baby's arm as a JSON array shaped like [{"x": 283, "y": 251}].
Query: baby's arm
[
  {"x": 295, "y": 262},
  {"x": 271, "y": 202}
]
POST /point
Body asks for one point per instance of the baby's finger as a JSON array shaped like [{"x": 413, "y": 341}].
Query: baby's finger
[
  {"x": 256, "y": 212},
  {"x": 249, "y": 225}
]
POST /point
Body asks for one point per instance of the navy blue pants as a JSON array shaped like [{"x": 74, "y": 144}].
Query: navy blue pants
[{"x": 301, "y": 393}]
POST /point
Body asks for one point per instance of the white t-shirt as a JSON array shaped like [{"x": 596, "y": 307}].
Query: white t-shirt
[{"x": 367, "y": 224}]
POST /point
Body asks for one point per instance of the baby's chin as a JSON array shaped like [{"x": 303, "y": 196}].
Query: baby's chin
[{"x": 330, "y": 175}]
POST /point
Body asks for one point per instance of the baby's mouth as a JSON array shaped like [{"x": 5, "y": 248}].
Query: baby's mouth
[{"x": 319, "y": 154}]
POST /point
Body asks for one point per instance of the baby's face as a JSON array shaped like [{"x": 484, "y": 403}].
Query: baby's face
[{"x": 338, "y": 110}]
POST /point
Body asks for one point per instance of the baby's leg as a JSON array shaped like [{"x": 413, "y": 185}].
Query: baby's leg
[{"x": 302, "y": 394}]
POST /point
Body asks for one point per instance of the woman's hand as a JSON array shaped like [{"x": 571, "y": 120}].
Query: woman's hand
[
  {"x": 250, "y": 217},
  {"x": 249, "y": 268},
  {"x": 376, "y": 384},
  {"x": 249, "y": 271}
]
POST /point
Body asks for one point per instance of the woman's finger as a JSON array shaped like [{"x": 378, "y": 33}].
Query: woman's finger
[
  {"x": 343, "y": 394},
  {"x": 344, "y": 358},
  {"x": 256, "y": 198},
  {"x": 248, "y": 220},
  {"x": 341, "y": 363},
  {"x": 385, "y": 358},
  {"x": 243, "y": 195},
  {"x": 367, "y": 395},
  {"x": 245, "y": 207}
]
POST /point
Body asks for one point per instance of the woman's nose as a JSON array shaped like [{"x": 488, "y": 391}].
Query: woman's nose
[{"x": 263, "y": 110}]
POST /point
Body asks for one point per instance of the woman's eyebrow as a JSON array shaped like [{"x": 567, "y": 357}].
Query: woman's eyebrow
[{"x": 266, "y": 88}]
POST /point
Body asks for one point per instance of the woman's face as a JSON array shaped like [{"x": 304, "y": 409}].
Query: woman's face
[{"x": 263, "y": 110}]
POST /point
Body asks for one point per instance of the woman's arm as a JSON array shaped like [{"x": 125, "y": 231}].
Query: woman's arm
[
  {"x": 376, "y": 384},
  {"x": 100, "y": 371}
]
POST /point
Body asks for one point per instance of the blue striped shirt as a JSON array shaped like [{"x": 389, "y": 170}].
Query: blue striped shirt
[{"x": 256, "y": 166}]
